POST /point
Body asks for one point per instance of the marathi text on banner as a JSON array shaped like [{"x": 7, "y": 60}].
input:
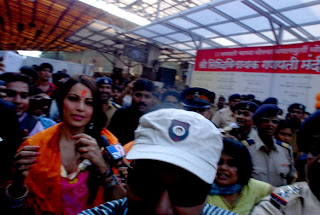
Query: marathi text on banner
[
  {"x": 288, "y": 65},
  {"x": 295, "y": 59}
]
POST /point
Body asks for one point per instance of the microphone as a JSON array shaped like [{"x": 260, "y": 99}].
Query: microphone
[
  {"x": 115, "y": 152},
  {"x": 105, "y": 140}
]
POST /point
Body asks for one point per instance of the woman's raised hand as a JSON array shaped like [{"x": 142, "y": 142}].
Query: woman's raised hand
[
  {"x": 25, "y": 158},
  {"x": 89, "y": 149}
]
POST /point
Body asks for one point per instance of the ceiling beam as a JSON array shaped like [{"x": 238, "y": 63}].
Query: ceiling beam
[{"x": 273, "y": 20}]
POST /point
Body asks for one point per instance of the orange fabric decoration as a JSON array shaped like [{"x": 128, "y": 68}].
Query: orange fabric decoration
[
  {"x": 44, "y": 179},
  {"x": 128, "y": 146}
]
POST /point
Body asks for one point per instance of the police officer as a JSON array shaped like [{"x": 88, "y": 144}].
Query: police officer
[
  {"x": 272, "y": 160},
  {"x": 198, "y": 100},
  {"x": 170, "y": 174},
  {"x": 302, "y": 198},
  {"x": 296, "y": 112},
  {"x": 295, "y": 117},
  {"x": 244, "y": 112},
  {"x": 226, "y": 116},
  {"x": 105, "y": 90}
]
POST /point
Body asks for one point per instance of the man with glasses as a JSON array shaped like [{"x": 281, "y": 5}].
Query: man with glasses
[
  {"x": 302, "y": 198},
  {"x": 174, "y": 163},
  {"x": 125, "y": 120},
  {"x": 198, "y": 100},
  {"x": 17, "y": 92},
  {"x": 272, "y": 160}
]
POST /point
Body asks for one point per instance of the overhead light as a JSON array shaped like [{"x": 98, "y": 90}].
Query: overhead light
[
  {"x": 30, "y": 53},
  {"x": 114, "y": 10}
]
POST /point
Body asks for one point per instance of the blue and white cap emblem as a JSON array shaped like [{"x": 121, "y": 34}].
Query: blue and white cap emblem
[{"x": 178, "y": 130}]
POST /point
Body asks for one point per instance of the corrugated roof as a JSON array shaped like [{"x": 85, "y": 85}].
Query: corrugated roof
[
  {"x": 178, "y": 27},
  {"x": 44, "y": 25}
]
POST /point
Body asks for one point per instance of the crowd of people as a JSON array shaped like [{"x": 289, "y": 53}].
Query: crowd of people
[{"x": 109, "y": 145}]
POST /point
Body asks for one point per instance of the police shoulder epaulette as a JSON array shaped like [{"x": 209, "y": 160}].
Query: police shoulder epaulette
[
  {"x": 116, "y": 105},
  {"x": 247, "y": 142},
  {"x": 283, "y": 144},
  {"x": 282, "y": 195}
]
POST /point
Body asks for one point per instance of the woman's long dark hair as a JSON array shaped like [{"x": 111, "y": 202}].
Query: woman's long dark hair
[
  {"x": 93, "y": 128},
  {"x": 242, "y": 158}
]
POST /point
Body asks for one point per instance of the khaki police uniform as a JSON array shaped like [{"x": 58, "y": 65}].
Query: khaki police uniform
[
  {"x": 109, "y": 108},
  {"x": 213, "y": 110},
  {"x": 274, "y": 167},
  {"x": 296, "y": 199},
  {"x": 296, "y": 152},
  {"x": 223, "y": 117},
  {"x": 236, "y": 132}
]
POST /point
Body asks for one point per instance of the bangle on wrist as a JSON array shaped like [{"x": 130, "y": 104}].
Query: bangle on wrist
[
  {"x": 111, "y": 183},
  {"x": 16, "y": 202},
  {"x": 106, "y": 174}
]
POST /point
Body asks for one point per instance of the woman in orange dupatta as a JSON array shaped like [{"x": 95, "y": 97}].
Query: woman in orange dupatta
[{"x": 61, "y": 170}]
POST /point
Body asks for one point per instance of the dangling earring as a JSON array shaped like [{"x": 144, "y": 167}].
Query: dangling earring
[{"x": 91, "y": 125}]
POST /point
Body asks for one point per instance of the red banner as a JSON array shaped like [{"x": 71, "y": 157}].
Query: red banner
[{"x": 303, "y": 58}]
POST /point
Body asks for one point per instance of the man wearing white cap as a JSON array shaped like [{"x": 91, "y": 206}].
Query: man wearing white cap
[{"x": 174, "y": 162}]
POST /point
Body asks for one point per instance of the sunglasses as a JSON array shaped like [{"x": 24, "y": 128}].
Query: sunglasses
[
  {"x": 151, "y": 184},
  {"x": 13, "y": 93}
]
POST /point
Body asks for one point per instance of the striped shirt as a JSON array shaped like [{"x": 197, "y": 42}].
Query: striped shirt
[{"x": 120, "y": 207}]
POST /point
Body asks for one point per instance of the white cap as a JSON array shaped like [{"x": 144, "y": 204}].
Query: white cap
[{"x": 182, "y": 138}]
